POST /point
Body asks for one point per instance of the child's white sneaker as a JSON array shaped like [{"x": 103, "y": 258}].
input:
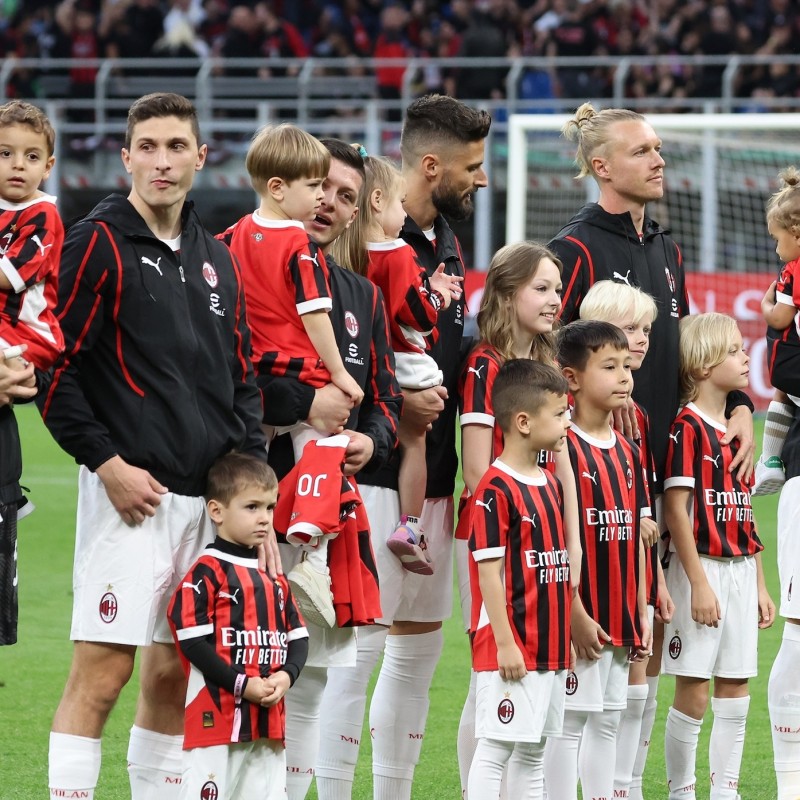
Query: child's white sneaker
[
  {"x": 770, "y": 476},
  {"x": 312, "y": 593}
]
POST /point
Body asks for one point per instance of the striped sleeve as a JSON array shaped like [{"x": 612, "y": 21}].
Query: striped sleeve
[{"x": 679, "y": 471}]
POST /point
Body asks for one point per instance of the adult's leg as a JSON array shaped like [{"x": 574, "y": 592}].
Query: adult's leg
[
  {"x": 97, "y": 675},
  {"x": 784, "y": 712},
  {"x": 155, "y": 748},
  {"x": 342, "y": 716}
]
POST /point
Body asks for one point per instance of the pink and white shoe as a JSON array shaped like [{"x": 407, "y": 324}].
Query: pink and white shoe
[{"x": 413, "y": 555}]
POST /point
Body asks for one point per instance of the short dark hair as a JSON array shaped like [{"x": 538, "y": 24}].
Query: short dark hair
[
  {"x": 574, "y": 342},
  {"x": 161, "y": 104},
  {"x": 346, "y": 153},
  {"x": 521, "y": 385},
  {"x": 18, "y": 112},
  {"x": 234, "y": 472},
  {"x": 437, "y": 120}
]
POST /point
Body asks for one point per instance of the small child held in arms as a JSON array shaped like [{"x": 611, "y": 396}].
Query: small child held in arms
[
  {"x": 242, "y": 643},
  {"x": 633, "y": 312},
  {"x": 779, "y": 306},
  {"x": 287, "y": 290},
  {"x": 521, "y": 587},
  {"x": 610, "y": 624},
  {"x": 31, "y": 237},
  {"x": 717, "y": 579},
  {"x": 413, "y": 300}
]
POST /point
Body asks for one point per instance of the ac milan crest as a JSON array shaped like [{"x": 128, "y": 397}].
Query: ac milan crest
[
  {"x": 209, "y": 791},
  {"x": 505, "y": 711},
  {"x": 351, "y": 323},
  {"x": 108, "y": 607},
  {"x": 675, "y": 646},
  {"x": 572, "y": 684},
  {"x": 210, "y": 274}
]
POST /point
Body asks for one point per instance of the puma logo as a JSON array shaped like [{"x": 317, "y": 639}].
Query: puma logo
[
  {"x": 230, "y": 596},
  {"x": 153, "y": 264},
  {"x": 195, "y": 586},
  {"x": 713, "y": 460},
  {"x": 592, "y": 477},
  {"x": 312, "y": 259},
  {"x": 624, "y": 278},
  {"x": 487, "y": 505},
  {"x": 674, "y": 436},
  {"x": 42, "y": 247},
  {"x": 532, "y": 519},
  {"x": 476, "y": 370}
]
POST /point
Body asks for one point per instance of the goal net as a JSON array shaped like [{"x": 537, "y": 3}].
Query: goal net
[{"x": 720, "y": 171}]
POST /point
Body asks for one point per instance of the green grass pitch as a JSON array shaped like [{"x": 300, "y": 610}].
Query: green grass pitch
[{"x": 32, "y": 673}]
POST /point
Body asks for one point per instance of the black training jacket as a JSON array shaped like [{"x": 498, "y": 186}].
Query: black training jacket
[
  {"x": 156, "y": 367},
  {"x": 594, "y": 246}
]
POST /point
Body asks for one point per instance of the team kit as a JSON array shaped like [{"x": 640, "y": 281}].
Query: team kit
[{"x": 282, "y": 513}]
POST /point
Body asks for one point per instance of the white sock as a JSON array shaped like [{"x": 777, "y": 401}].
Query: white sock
[
  {"x": 74, "y": 765},
  {"x": 784, "y": 713},
  {"x": 302, "y": 703},
  {"x": 628, "y": 738},
  {"x": 598, "y": 750},
  {"x": 466, "y": 741},
  {"x": 776, "y": 426},
  {"x": 561, "y": 757},
  {"x": 726, "y": 745},
  {"x": 399, "y": 710},
  {"x": 486, "y": 772},
  {"x": 317, "y": 557},
  {"x": 680, "y": 748},
  {"x": 342, "y": 716},
  {"x": 525, "y": 772},
  {"x": 648, "y": 720},
  {"x": 155, "y": 764}
]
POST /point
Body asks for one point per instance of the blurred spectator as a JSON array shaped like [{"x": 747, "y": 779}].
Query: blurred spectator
[
  {"x": 280, "y": 38},
  {"x": 182, "y": 13},
  {"x": 391, "y": 43},
  {"x": 489, "y": 35},
  {"x": 130, "y": 29},
  {"x": 243, "y": 39},
  {"x": 574, "y": 36}
]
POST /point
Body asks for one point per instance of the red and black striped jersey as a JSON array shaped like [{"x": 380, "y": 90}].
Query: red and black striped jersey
[
  {"x": 250, "y": 619},
  {"x": 722, "y": 515},
  {"x": 411, "y": 305},
  {"x": 31, "y": 239},
  {"x": 609, "y": 477},
  {"x": 285, "y": 276},
  {"x": 521, "y": 520},
  {"x": 787, "y": 290},
  {"x": 643, "y": 421}
]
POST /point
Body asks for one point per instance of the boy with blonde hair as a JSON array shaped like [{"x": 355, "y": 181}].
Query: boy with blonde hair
[
  {"x": 288, "y": 301},
  {"x": 717, "y": 579},
  {"x": 633, "y": 311}
]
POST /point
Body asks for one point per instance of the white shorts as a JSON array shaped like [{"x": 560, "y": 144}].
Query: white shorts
[
  {"x": 406, "y": 596},
  {"x": 727, "y": 651},
  {"x": 238, "y": 771},
  {"x": 417, "y": 371},
  {"x": 327, "y": 647},
  {"x": 526, "y": 710},
  {"x": 124, "y": 576},
  {"x": 600, "y": 685},
  {"x": 789, "y": 548}
]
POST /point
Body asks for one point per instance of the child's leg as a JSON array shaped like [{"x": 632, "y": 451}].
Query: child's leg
[
  {"x": 466, "y": 741},
  {"x": 630, "y": 729},
  {"x": 526, "y": 771},
  {"x": 784, "y": 712},
  {"x": 730, "y": 704},
  {"x": 486, "y": 772},
  {"x": 407, "y": 541},
  {"x": 769, "y": 470},
  {"x": 561, "y": 757},
  {"x": 682, "y": 732},
  {"x": 598, "y": 749}
]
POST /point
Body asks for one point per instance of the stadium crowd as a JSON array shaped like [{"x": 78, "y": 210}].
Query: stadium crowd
[{"x": 353, "y": 29}]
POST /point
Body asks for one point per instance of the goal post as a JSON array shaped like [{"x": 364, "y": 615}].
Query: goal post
[{"x": 720, "y": 171}]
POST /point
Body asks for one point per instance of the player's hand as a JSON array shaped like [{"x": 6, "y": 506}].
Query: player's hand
[
  {"x": 330, "y": 409},
  {"x": 665, "y": 606},
  {"x": 16, "y": 383},
  {"x": 649, "y": 531},
  {"x": 588, "y": 637},
  {"x": 448, "y": 286},
  {"x": 644, "y": 650},
  {"x": 769, "y": 299},
  {"x": 269, "y": 556},
  {"x": 277, "y": 686},
  {"x": 511, "y": 663},
  {"x": 740, "y": 427},
  {"x": 766, "y": 608},
  {"x": 348, "y": 384},
  {"x": 133, "y": 492},
  {"x": 358, "y": 453},
  {"x": 705, "y": 606},
  {"x": 625, "y": 420},
  {"x": 421, "y": 407}
]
